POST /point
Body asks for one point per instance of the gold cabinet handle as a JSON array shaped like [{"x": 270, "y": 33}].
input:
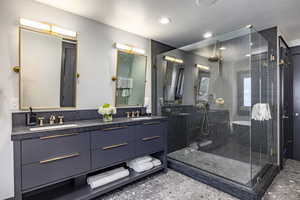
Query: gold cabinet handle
[
  {"x": 115, "y": 146},
  {"x": 150, "y": 138},
  {"x": 57, "y": 136},
  {"x": 59, "y": 158},
  {"x": 115, "y": 128},
  {"x": 151, "y": 123}
]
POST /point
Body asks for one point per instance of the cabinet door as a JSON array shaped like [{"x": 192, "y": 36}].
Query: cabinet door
[
  {"x": 150, "y": 138},
  {"x": 112, "y": 145},
  {"x": 35, "y": 150},
  {"x": 54, "y": 169}
]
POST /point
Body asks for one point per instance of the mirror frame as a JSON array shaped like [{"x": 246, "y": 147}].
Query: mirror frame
[
  {"x": 116, "y": 81},
  {"x": 75, "y": 39}
]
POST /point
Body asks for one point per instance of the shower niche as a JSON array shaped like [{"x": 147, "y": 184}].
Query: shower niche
[{"x": 227, "y": 112}]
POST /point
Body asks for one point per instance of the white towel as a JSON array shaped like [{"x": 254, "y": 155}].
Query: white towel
[
  {"x": 139, "y": 160},
  {"x": 143, "y": 167},
  {"x": 124, "y": 83},
  {"x": 107, "y": 177},
  {"x": 261, "y": 112},
  {"x": 105, "y": 174},
  {"x": 156, "y": 162}
]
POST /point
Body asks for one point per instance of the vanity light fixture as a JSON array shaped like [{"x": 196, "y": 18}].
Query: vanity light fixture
[
  {"x": 34, "y": 24},
  {"x": 130, "y": 49},
  {"x": 173, "y": 59},
  {"x": 222, "y": 48},
  {"x": 51, "y": 29},
  {"x": 203, "y": 67},
  {"x": 62, "y": 31}
]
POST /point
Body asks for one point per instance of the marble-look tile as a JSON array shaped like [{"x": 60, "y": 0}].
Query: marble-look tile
[{"x": 286, "y": 186}]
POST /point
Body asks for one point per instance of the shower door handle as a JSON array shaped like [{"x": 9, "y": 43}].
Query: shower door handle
[{"x": 285, "y": 117}]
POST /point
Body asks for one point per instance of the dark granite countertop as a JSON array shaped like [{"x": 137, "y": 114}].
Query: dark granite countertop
[{"x": 24, "y": 132}]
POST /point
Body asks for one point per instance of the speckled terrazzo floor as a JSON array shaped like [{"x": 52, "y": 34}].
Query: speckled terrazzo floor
[
  {"x": 286, "y": 185},
  {"x": 169, "y": 186},
  {"x": 175, "y": 186}
]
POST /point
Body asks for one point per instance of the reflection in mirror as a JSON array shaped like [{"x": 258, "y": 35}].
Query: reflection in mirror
[
  {"x": 173, "y": 87},
  {"x": 202, "y": 86},
  {"x": 131, "y": 77},
  {"x": 48, "y": 71}
]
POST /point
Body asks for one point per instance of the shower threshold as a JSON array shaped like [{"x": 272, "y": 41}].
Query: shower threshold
[{"x": 245, "y": 192}]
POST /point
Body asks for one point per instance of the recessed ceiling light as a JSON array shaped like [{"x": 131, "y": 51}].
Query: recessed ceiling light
[
  {"x": 207, "y": 35},
  {"x": 222, "y": 48},
  {"x": 164, "y": 20}
]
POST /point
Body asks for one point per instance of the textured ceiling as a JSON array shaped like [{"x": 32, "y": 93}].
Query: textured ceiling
[{"x": 189, "y": 21}]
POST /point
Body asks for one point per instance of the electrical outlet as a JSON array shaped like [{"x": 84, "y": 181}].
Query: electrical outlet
[{"x": 14, "y": 103}]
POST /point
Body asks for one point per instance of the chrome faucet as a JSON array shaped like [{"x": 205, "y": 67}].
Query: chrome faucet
[{"x": 52, "y": 119}]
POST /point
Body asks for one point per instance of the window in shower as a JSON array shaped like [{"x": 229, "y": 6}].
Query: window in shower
[
  {"x": 244, "y": 92},
  {"x": 203, "y": 89}
]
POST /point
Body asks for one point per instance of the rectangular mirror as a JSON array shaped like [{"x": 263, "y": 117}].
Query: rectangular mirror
[
  {"x": 48, "y": 71},
  {"x": 131, "y": 79},
  {"x": 173, "y": 85}
]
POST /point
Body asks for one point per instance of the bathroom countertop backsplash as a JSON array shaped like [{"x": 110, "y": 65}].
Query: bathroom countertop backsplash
[{"x": 85, "y": 121}]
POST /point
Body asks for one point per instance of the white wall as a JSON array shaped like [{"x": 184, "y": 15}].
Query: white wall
[{"x": 96, "y": 65}]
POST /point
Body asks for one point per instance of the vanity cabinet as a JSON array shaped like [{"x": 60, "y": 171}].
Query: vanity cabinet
[
  {"x": 150, "y": 137},
  {"x": 52, "y": 158},
  {"x": 112, "y": 145}
]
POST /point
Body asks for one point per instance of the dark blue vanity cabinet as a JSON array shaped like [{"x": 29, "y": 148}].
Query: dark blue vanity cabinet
[{"x": 44, "y": 159}]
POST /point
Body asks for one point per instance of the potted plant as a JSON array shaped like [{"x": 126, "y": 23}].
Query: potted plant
[{"x": 107, "y": 111}]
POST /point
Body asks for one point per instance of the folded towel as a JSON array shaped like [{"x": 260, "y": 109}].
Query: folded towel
[
  {"x": 143, "y": 167},
  {"x": 105, "y": 174},
  {"x": 261, "y": 112},
  {"x": 156, "y": 162},
  {"x": 108, "y": 179},
  {"x": 139, "y": 160}
]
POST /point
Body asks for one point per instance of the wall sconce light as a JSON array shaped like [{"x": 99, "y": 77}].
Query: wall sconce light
[
  {"x": 173, "y": 59},
  {"x": 130, "y": 49},
  {"x": 203, "y": 67},
  {"x": 51, "y": 29}
]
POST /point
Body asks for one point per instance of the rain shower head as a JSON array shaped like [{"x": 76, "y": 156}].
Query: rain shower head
[{"x": 213, "y": 59}]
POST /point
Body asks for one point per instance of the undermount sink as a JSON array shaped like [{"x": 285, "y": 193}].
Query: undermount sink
[
  {"x": 53, "y": 127},
  {"x": 141, "y": 118}
]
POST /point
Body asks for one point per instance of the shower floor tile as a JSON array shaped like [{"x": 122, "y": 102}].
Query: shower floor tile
[{"x": 226, "y": 167}]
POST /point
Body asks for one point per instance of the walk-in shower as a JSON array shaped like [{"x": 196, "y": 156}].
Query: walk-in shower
[{"x": 224, "y": 119}]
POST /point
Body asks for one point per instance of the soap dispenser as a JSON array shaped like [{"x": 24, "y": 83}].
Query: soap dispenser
[{"x": 31, "y": 118}]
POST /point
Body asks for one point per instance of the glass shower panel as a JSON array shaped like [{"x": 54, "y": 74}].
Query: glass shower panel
[
  {"x": 215, "y": 112},
  {"x": 263, "y": 74}
]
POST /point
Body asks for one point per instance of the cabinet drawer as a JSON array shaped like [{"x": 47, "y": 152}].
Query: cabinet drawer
[
  {"x": 112, "y": 136},
  {"x": 53, "y": 169},
  {"x": 112, "y": 153},
  {"x": 43, "y": 148},
  {"x": 150, "y": 138}
]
